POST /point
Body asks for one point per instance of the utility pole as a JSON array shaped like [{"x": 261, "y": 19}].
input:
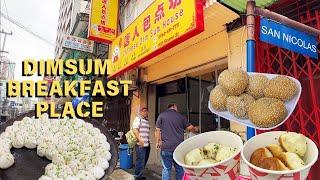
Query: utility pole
[
  {"x": 4, "y": 41},
  {"x": 251, "y": 45},
  {"x": 5, "y": 65},
  {"x": 3, "y": 32}
]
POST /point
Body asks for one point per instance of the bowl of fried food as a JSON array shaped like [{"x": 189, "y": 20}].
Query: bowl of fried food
[
  {"x": 210, "y": 155},
  {"x": 279, "y": 155},
  {"x": 258, "y": 100}
]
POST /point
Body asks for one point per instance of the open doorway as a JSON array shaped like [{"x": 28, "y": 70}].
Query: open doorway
[{"x": 191, "y": 94}]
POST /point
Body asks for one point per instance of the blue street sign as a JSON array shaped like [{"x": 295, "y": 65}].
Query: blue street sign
[{"x": 286, "y": 37}]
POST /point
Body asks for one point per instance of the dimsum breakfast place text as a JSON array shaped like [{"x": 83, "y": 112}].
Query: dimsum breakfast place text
[{"x": 67, "y": 88}]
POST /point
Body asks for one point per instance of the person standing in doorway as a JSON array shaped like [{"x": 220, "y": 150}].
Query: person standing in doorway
[
  {"x": 141, "y": 129},
  {"x": 169, "y": 134}
]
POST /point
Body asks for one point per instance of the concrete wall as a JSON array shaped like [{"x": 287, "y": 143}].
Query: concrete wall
[
  {"x": 154, "y": 159},
  {"x": 237, "y": 48},
  {"x": 135, "y": 105}
]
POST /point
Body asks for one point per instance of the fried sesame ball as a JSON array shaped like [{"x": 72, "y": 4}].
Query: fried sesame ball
[
  {"x": 218, "y": 98},
  {"x": 239, "y": 105},
  {"x": 267, "y": 112},
  {"x": 234, "y": 81},
  {"x": 257, "y": 84},
  {"x": 281, "y": 87}
]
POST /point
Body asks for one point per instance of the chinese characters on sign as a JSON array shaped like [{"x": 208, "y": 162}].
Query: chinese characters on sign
[
  {"x": 174, "y": 3},
  {"x": 103, "y": 20},
  {"x": 76, "y": 43},
  {"x": 164, "y": 24}
]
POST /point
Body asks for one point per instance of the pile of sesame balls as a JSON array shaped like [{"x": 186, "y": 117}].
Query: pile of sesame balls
[{"x": 253, "y": 97}]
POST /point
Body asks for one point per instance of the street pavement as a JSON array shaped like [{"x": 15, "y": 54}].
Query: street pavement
[{"x": 150, "y": 174}]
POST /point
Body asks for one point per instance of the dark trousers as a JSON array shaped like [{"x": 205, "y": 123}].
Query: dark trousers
[
  {"x": 142, "y": 154},
  {"x": 167, "y": 162}
]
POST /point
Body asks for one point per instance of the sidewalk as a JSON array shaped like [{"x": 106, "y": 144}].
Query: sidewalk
[
  {"x": 156, "y": 169},
  {"x": 152, "y": 172},
  {"x": 120, "y": 174},
  {"x": 148, "y": 173}
]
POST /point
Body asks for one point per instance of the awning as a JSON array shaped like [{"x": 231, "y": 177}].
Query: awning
[{"x": 240, "y": 5}]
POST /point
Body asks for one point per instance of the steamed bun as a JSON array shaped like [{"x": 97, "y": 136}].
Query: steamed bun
[
  {"x": 97, "y": 172},
  {"x": 210, "y": 150},
  {"x": 194, "y": 157},
  {"x": 44, "y": 177},
  {"x": 6, "y": 160},
  {"x": 294, "y": 142},
  {"x": 292, "y": 160},
  {"x": 18, "y": 141},
  {"x": 85, "y": 175},
  {"x": 103, "y": 163},
  {"x": 225, "y": 152}
]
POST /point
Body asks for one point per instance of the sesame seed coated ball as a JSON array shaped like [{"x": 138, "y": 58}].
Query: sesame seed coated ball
[
  {"x": 239, "y": 105},
  {"x": 267, "y": 112},
  {"x": 281, "y": 87},
  {"x": 218, "y": 98},
  {"x": 257, "y": 84},
  {"x": 234, "y": 81}
]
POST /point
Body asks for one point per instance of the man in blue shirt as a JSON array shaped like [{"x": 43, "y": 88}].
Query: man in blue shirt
[{"x": 169, "y": 134}]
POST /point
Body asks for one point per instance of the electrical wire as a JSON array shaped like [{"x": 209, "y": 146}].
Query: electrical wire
[
  {"x": 1, "y": 26},
  {"x": 17, "y": 23},
  {"x": 5, "y": 6}
]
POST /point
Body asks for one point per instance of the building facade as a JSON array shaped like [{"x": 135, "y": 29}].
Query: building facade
[
  {"x": 67, "y": 17},
  {"x": 3, "y": 90},
  {"x": 186, "y": 73}
]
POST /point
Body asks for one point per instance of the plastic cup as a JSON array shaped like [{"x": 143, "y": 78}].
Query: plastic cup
[
  {"x": 265, "y": 139},
  {"x": 227, "y": 169}
]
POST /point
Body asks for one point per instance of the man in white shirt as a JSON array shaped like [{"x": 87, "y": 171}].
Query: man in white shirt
[{"x": 141, "y": 129}]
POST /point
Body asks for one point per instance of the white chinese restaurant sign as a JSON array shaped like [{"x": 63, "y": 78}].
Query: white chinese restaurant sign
[{"x": 76, "y": 43}]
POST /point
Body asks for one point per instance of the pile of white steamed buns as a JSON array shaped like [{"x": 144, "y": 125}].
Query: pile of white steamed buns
[{"x": 78, "y": 150}]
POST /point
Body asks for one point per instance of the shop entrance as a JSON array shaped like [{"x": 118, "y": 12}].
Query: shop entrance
[
  {"x": 117, "y": 116},
  {"x": 191, "y": 94}
]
